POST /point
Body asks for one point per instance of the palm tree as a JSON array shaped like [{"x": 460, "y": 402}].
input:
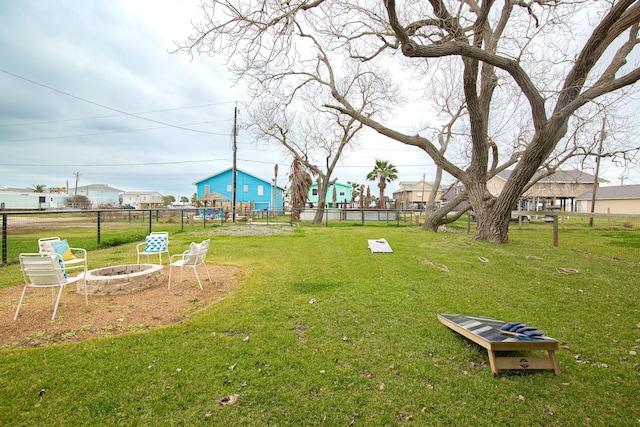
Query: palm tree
[
  {"x": 38, "y": 188},
  {"x": 300, "y": 183},
  {"x": 383, "y": 172}
]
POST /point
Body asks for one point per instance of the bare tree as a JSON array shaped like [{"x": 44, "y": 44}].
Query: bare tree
[
  {"x": 317, "y": 141},
  {"x": 333, "y": 46}
]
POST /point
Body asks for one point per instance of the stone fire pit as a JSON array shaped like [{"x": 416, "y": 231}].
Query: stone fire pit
[{"x": 121, "y": 279}]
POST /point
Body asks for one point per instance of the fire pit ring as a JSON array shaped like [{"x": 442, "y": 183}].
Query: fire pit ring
[{"x": 121, "y": 279}]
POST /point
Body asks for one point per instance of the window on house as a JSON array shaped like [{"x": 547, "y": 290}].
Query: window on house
[
  {"x": 207, "y": 189},
  {"x": 541, "y": 185},
  {"x": 260, "y": 190},
  {"x": 581, "y": 186},
  {"x": 245, "y": 188},
  {"x": 567, "y": 186},
  {"x": 419, "y": 194},
  {"x": 342, "y": 193},
  {"x": 314, "y": 192},
  {"x": 554, "y": 186},
  {"x": 229, "y": 189}
]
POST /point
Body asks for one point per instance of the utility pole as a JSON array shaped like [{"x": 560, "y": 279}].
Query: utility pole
[
  {"x": 77, "y": 174},
  {"x": 422, "y": 194},
  {"x": 234, "y": 169},
  {"x": 275, "y": 189},
  {"x": 603, "y": 135}
]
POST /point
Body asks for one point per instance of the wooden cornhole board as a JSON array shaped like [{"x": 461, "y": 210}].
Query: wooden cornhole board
[{"x": 485, "y": 332}]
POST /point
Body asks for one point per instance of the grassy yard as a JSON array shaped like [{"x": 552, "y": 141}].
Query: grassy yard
[{"x": 320, "y": 331}]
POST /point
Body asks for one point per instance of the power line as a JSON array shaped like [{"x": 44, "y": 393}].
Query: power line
[
  {"x": 115, "y": 115},
  {"x": 112, "y": 132},
  {"x": 101, "y": 105},
  {"x": 114, "y": 164}
]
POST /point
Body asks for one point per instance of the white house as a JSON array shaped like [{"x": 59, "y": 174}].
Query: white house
[{"x": 25, "y": 198}]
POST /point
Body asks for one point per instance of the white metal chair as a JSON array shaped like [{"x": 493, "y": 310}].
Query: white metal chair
[
  {"x": 156, "y": 243},
  {"x": 43, "y": 270},
  {"x": 193, "y": 257},
  {"x": 72, "y": 258}
]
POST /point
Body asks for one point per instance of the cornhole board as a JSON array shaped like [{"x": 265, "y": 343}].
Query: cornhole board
[
  {"x": 379, "y": 245},
  {"x": 485, "y": 332}
]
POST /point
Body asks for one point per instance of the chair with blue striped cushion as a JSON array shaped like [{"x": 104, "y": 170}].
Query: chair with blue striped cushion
[{"x": 156, "y": 243}]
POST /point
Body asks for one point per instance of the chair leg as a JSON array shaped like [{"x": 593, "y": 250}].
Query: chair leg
[
  {"x": 84, "y": 279},
  {"x": 170, "y": 270},
  {"x": 197, "y": 277},
  {"x": 24, "y": 291},
  {"x": 55, "y": 308},
  {"x": 207, "y": 270}
]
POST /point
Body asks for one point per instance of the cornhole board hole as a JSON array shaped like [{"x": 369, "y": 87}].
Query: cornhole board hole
[
  {"x": 379, "y": 246},
  {"x": 486, "y": 332}
]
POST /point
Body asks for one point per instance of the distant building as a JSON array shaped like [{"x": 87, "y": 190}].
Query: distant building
[
  {"x": 142, "y": 199},
  {"x": 100, "y": 195},
  {"x": 620, "y": 199},
  {"x": 250, "y": 190},
  {"x": 556, "y": 191},
  {"x": 342, "y": 194},
  {"x": 414, "y": 195},
  {"x": 26, "y": 199}
]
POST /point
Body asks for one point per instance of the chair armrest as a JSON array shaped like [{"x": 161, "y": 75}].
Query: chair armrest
[
  {"x": 140, "y": 244},
  {"x": 79, "y": 253},
  {"x": 183, "y": 255}
]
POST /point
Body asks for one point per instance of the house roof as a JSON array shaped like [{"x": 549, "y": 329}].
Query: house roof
[
  {"x": 99, "y": 187},
  {"x": 559, "y": 176},
  {"x": 335, "y": 183},
  {"x": 238, "y": 170},
  {"x": 413, "y": 186},
  {"x": 613, "y": 192},
  {"x": 133, "y": 193}
]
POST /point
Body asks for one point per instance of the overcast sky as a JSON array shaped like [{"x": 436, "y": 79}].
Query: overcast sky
[
  {"x": 89, "y": 87},
  {"x": 90, "y": 90}
]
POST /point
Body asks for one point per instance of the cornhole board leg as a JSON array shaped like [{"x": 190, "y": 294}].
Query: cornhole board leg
[
  {"x": 498, "y": 363},
  {"x": 485, "y": 332}
]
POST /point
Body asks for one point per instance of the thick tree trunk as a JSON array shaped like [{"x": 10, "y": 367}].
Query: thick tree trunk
[
  {"x": 493, "y": 226},
  {"x": 319, "y": 215},
  {"x": 436, "y": 218},
  {"x": 322, "y": 202}
]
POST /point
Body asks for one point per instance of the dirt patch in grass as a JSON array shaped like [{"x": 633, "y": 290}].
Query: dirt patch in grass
[
  {"x": 107, "y": 315},
  {"x": 254, "y": 229}
]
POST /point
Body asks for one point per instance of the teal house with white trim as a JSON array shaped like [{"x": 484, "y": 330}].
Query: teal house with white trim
[
  {"x": 249, "y": 189},
  {"x": 343, "y": 194}
]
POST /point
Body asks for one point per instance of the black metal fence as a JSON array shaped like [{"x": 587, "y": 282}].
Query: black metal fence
[{"x": 93, "y": 229}]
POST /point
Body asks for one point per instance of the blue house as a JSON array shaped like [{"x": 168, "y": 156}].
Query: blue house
[
  {"x": 342, "y": 194},
  {"x": 249, "y": 189}
]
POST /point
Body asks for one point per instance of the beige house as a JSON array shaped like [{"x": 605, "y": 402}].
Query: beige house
[
  {"x": 556, "y": 191},
  {"x": 414, "y": 195},
  {"x": 143, "y": 199},
  {"x": 621, "y": 199}
]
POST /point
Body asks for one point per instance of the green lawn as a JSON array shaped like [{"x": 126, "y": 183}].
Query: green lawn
[{"x": 320, "y": 331}]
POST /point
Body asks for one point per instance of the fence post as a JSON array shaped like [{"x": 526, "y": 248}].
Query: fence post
[
  {"x": 555, "y": 230},
  {"x": 98, "y": 222},
  {"x": 150, "y": 220},
  {"x": 4, "y": 238}
]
